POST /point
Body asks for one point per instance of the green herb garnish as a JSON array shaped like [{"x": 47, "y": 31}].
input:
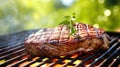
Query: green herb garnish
[{"x": 69, "y": 21}]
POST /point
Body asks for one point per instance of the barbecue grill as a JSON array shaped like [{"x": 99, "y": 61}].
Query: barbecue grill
[{"x": 12, "y": 54}]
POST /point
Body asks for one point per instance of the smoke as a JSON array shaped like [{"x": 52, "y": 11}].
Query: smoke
[{"x": 8, "y": 16}]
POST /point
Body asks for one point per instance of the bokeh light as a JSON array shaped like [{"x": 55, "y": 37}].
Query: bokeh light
[
  {"x": 107, "y": 12},
  {"x": 19, "y": 15}
]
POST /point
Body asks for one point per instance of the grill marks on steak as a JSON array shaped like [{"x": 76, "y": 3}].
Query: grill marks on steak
[{"x": 57, "y": 41}]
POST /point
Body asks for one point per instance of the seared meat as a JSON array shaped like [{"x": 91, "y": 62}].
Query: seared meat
[{"x": 57, "y": 41}]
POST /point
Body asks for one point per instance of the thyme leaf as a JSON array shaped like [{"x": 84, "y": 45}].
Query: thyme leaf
[{"x": 69, "y": 21}]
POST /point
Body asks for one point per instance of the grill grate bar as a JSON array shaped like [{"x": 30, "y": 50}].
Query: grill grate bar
[
  {"x": 58, "y": 62},
  {"x": 17, "y": 63},
  {"x": 67, "y": 60},
  {"x": 15, "y": 38},
  {"x": 111, "y": 49},
  {"x": 13, "y": 52},
  {"x": 72, "y": 61},
  {"x": 12, "y": 49},
  {"x": 7, "y": 44},
  {"x": 7, "y": 55},
  {"x": 110, "y": 58},
  {"x": 51, "y": 64},
  {"x": 41, "y": 60},
  {"x": 46, "y": 61},
  {"x": 12, "y": 59},
  {"x": 12, "y": 39},
  {"x": 11, "y": 46},
  {"x": 69, "y": 63},
  {"x": 116, "y": 63},
  {"x": 20, "y": 61},
  {"x": 113, "y": 40},
  {"x": 33, "y": 61},
  {"x": 86, "y": 59}
]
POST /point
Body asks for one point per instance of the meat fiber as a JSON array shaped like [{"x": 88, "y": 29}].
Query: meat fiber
[{"x": 57, "y": 41}]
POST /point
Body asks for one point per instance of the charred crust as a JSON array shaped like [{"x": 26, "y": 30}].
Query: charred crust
[
  {"x": 54, "y": 42},
  {"x": 57, "y": 42}
]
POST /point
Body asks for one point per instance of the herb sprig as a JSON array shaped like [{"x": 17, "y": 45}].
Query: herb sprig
[{"x": 69, "y": 21}]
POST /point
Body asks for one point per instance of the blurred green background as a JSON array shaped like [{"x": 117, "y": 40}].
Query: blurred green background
[{"x": 18, "y": 15}]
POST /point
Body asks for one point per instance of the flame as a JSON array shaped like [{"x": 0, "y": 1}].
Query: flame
[
  {"x": 2, "y": 61},
  {"x": 35, "y": 64},
  {"x": 55, "y": 60},
  {"x": 44, "y": 59},
  {"x": 45, "y": 65},
  {"x": 26, "y": 56},
  {"x": 70, "y": 66},
  {"x": 58, "y": 65},
  {"x": 35, "y": 58},
  {"x": 62, "y": 56},
  {"x": 24, "y": 63},
  {"x": 74, "y": 55},
  {"x": 66, "y": 61},
  {"x": 77, "y": 62}
]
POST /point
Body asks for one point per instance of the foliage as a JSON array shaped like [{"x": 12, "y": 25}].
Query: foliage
[{"x": 18, "y": 15}]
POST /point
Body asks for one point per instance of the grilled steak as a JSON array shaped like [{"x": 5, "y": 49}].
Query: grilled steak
[{"x": 57, "y": 41}]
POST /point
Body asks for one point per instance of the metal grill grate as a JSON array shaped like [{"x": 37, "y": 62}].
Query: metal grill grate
[{"x": 12, "y": 54}]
